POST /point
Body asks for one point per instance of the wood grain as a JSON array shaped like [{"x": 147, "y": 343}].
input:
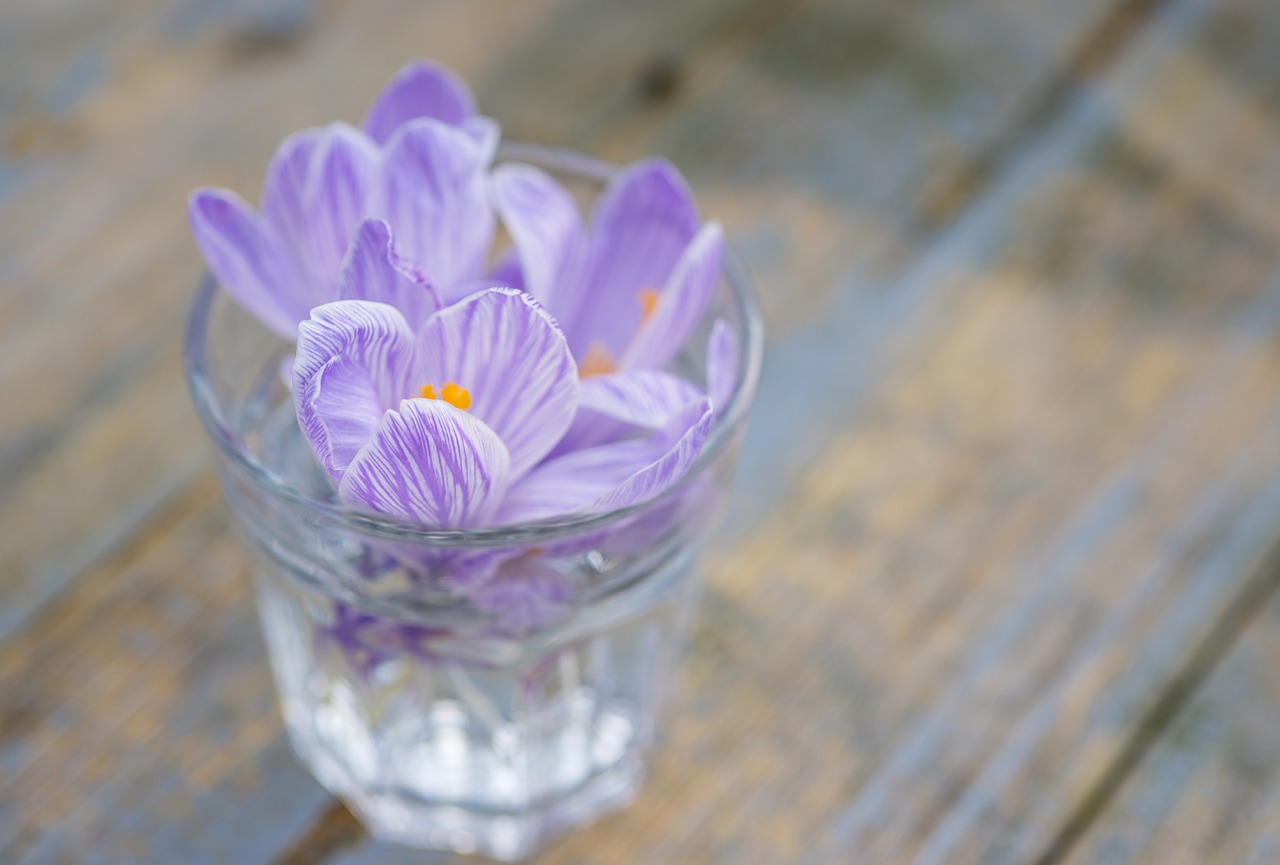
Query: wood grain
[
  {"x": 1013, "y": 465},
  {"x": 1210, "y": 789}
]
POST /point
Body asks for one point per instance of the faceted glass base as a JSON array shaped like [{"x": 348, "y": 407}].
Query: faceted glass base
[
  {"x": 432, "y": 749},
  {"x": 404, "y": 818}
]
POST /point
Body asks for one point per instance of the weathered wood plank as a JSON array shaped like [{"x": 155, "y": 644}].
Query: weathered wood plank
[
  {"x": 978, "y": 424},
  {"x": 1210, "y": 788},
  {"x": 127, "y": 709}
]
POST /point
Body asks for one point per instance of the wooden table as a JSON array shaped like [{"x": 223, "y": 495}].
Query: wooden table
[{"x": 998, "y": 585}]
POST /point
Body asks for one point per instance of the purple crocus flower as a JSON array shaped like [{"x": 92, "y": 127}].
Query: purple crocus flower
[
  {"x": 416, "y": 167},
  {"x": 629, "y": 289}
]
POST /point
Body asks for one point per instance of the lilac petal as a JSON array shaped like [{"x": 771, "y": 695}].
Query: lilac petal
[
  {"x": 285, "y": 191},
  {"x": 507, "y": 273},
  {"x": 435, "y": 196},
  {"x": 471, "y": 287},
  {"x": 688, "y": 511},
  {"x": 508, "y": 353},
  {"x": 485, "y": 132},
  {"x": 572, "y": 483},
  {"x": 353, "y": 362},
  {"x": 544, "y": 224},
  {"x": 610, "y": 476},
  {"x": 338, "y": 410},
  {"x": 612, "y": 406},
  {"x": 344, "y": 172},
  {"x": 420, "y": 89},
  {"x": 453, "y": 569},
  {"x": 374, "y": 271},
  {"x": 642, "y": 224},
  {"x": 430, "y": 463},
  {"x": 647, "y": 398},
  {"x": 671, "y": 467},
  {"x": 464, "y": 569},
  {"x": 242, "y": 253},
  {"x": 526, "y": 594},
  {"x": 681, "y": 305},
  {"x": 722, "y": 364},
  {"x": 320, "y": 185}
]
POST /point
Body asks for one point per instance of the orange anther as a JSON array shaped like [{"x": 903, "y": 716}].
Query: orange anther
[
  {"x": 597, "y": 361},
  {"x": 458, "y": 397},
  {"x": 649, "y": 298}
]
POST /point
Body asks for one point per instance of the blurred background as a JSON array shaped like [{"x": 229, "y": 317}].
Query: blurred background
[{"x": 998, "y": 583}]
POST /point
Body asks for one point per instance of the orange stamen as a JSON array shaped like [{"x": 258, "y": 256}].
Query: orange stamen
[
  {"x": 458, "y": 397},
  {"x": 597, "y": 361},
  {"x": 648, "y": 303}
]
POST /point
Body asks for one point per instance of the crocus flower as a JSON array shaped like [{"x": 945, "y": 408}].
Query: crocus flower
[
  {"x": 629, "y": 289},
  {"x": 448, "y": 425},
  {"x": 417, "y": 164}
]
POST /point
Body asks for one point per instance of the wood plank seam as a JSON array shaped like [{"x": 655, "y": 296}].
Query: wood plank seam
[
  {"x": 1096, "y": 54},
  {"x": 1248, "y": 322},
  {"x": 1026, "y": 733},
  {"x": 19, "y": 619},
  {"x": 1206, "y": 656},
  {"x": 332, "y": 832}
]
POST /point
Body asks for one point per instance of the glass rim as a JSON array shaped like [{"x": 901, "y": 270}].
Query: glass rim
[{"x": 210, "y": 409}]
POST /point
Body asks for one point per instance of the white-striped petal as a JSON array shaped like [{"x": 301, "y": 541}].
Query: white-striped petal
[
  {"x": 429, "y": 463},
  {"x": 508, "y": 353}
]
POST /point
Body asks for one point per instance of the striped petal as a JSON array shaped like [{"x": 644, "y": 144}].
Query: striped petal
[
  {"x": 661, "y": 474},
  {"x": 429, "y": 463},
  {"x": 435, "y": 197},
  {"x": 613, "y": 406},
  {"x": 647, "y": 398},
  {"x": 286, "y": 195},
  {"x": 610, "y": 476},
  {"x": 374, "y": 271},
  {"x": 510, "y": 356},
  {"x": 354, "y": 361},
  {"x": 574, "y": 482},
  {"x": 320, "y": 187},
  {"x": 545, "y": 226}
]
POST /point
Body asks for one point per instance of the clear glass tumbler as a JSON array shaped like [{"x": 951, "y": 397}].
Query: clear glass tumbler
[{"x": 486, "y": 723}]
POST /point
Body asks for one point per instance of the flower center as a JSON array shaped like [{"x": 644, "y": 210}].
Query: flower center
[{"x": 458, "y": 397}]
